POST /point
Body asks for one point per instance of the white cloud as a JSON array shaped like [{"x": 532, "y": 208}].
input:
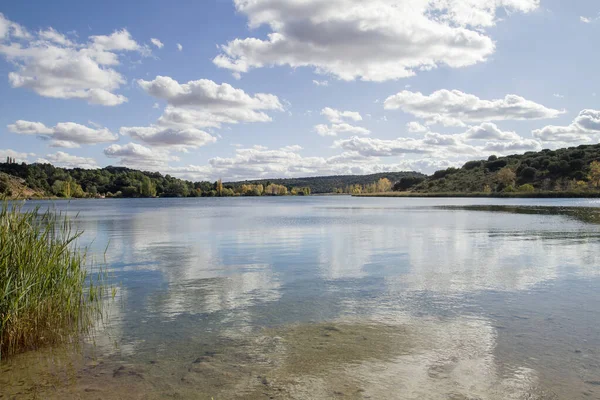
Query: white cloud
[
  {"x": 12, "y": 30},
  {"x": 156, "y": 106},
  {"x": 516, "y": 146},
  {"x": 52, "y": 65},
  {"x": 372, "y": 147},
  {"x": 199, "y": 104},
  {"x": 320, "y": 83},
  {"x": 17, "y": 155},
  {"x": 436, "y": 146},
  {"x": 62, "y": 159},
  {"x": 490, "y": 131},
  {"x": 337, "y": 116},
  {"x": 157, "y": 43},
  {"x": 454, "y": 108},
  {"x": 335, "y": 129},
  {"x": 374, "y": 40},
  {"x": 179, "y": 47},
  {"x": 181, "y": 139},
  {"x": 416, "y": 127},
  {"x": 585, "y": 128},
  {"x": 587, "y": 20},
  {"x": 261, "y": 162},
  {"x": 137, "y": 156},
  {"x": 558, "y": 95},
  {"x": 64, "y": 134},
  {"x": 205, "y": 93}
]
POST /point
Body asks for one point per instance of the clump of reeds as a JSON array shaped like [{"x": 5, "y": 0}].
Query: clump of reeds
[{"x": 48, "y": 294}]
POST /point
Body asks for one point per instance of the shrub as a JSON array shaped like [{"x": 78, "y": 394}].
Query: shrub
[
  {"x": 495, "y": 165},
  {"x": 527, "y": 188},
  {"x": 407, "y": 182},
  {"x": 472, "y": 164},
  {"x": 444, "y": 172}
]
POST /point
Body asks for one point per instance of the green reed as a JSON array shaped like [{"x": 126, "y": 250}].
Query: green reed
[{"x": 48, "y": 293}]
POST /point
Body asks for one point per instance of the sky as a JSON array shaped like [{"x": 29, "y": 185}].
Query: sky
[{"x": 244, "y": 89}]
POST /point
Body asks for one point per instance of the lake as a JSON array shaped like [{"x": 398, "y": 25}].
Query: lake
[{"x": 333, "y": 297}]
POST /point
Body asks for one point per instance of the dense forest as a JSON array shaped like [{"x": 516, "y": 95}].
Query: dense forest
[
  {"x": 50, "y": 181},
  {"x": 573, "y": 169}
]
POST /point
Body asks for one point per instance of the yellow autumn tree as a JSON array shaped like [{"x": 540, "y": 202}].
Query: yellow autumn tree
[
  {"x": 384, "y": 185},
  {"x": 506, "y": 176},
  {"x": 594, "y": 175}
]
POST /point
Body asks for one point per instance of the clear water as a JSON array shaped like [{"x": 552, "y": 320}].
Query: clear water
[{"x": 327, "y": 297}]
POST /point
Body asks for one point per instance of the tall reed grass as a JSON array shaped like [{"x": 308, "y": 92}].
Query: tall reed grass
[{"x": 48, "y": 293}]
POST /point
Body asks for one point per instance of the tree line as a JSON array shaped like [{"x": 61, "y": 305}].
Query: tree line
[
  {"x": 573, "y": 169},
  {"x": 124, "y": 182}
]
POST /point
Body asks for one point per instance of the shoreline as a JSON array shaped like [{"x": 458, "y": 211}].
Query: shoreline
[{"x": 534, "y": 195}]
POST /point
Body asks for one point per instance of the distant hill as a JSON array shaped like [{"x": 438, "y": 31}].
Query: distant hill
[
  {"x": 329, "y": 184},
  {"x": 568, "y": 169}
]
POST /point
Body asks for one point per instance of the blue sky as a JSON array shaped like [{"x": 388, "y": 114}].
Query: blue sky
[{"x": 275, "y": 88}]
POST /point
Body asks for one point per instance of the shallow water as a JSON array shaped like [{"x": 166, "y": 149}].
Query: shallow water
[{"x": 334, "y": 297}]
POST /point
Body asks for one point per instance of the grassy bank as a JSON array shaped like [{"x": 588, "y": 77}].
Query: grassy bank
[
  {"x": 47, "y": 295},
  {"x": 549, "y": 194}
]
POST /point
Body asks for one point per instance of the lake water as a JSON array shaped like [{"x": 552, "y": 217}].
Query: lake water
[{"x": 334, "y": 297}]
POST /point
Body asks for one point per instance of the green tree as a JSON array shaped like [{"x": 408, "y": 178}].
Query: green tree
[{"x": 148, "y": 188}]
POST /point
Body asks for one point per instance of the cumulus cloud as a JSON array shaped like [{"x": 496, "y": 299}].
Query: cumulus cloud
[
  {"x": 179, "y": 47},
  {"x": 181, "y": 139},
  {"x": 260, "y": 162},
  {"x": 434, "y": 145},
  {"x": 137, "y": 156},
  {"x": 10, "y": 29},
  {"x": 585, "y": 128},
  {"x": 372, "y": 147},
  {"x": 64, "y": 134},
  {"x": 320, "y": 83},
  {"x": 416, "y": 127},
  {"x": 205, "y": 93},
  {"x": 337, "y": 116},
  {"x": 490, "y": 131},
  {"x": 55, "y": 66},
  {"x": 66, "y": 160},
  {"x": 196, "y": 105},
  {"x": 374, "y": 40},
  {"x": 335, "y": 129},
  {"x": 454, "y": 108},
  {"x": 157, "y": 43},
  {"x": 514, "y": 146},
  {"x": 338, "y": 123}
]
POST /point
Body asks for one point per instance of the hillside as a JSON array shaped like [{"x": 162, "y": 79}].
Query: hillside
[
  {"x": 330, "y": 184},
  {"x": 573, "y": 169},
  {"x": 15, "y": 188}
]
